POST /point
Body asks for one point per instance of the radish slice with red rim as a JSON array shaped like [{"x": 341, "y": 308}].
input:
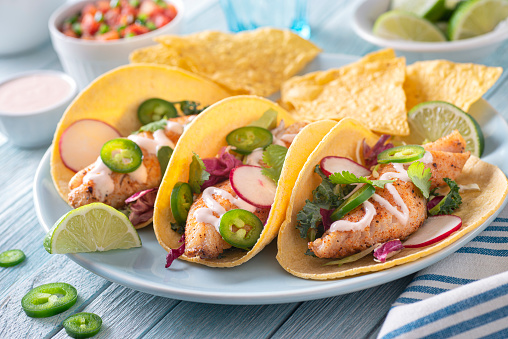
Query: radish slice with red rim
[
  {"x": 251, "y": 185},
  {"x": 334, "y": 164},
  {"x": 434, "y": 229},
  {"x": 81, "y": 142}
]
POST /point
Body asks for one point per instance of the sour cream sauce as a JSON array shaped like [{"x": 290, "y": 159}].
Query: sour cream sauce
[
  {"x": 100, "y": 174},
  {"x": 370, "y": 210},
  {"x": 206, "y": 214},
  {"x": 33, "y": 93}
]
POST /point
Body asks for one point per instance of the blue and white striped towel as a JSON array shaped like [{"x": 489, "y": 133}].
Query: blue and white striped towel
[{"x": 464, "y": 295}]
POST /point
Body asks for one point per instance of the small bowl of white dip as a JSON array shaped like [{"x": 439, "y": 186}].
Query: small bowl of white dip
[{"x": 32, "y": 103}]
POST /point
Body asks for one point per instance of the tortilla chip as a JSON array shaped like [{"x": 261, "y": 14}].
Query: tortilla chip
[
  {"x": 253, "y": 62},
  {"x": 459, "y": 84},
  {"x": 114, "y": 98},
  {"x": 206, "y": 136},
  {"x": 369, "y": 90},
  {"x": 476, "y": 208}
]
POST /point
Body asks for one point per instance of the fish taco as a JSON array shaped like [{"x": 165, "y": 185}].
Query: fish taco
[
  {"x": 231, "y": 175},
  {"x": 114, "y": 141},
  {"x": 361, "y": 204}
]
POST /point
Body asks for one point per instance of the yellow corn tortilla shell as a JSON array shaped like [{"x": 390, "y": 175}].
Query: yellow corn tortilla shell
[
  {"x": 342, "y": 140},
  {"x": 253, "y": 62},
  {"x": 369, "y": 90},
  {"x": 459, "y": 84},
  {"x": 206, "y": 136},
  {"x": 114, "y": 98}
]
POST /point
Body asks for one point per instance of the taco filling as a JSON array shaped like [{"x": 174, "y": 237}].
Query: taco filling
[
  {"x": 129, "y": 170},
  {"x": 357, "y": 210},
  {"x": 227, "y": 200}
]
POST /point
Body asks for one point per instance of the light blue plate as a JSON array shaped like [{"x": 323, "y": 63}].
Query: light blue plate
[{"x": 260, "y": 280}]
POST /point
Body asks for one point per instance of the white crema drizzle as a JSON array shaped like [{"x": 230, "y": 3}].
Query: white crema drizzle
[
  {"x": 206, "y": 214},
  {"x": 370, "y": 211},
  {"x": 100, "y": 174}
]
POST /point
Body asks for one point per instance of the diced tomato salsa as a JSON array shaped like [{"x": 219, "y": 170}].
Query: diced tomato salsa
[{"x": 117, "y": 19}]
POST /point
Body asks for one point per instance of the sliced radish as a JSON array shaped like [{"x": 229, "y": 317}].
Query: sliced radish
[
  {"x": 434, "y": 229},
  {"x": 252, "y": 186},
  {"x": 81, "y": 142},
  {"x": 333, "y": 164}
]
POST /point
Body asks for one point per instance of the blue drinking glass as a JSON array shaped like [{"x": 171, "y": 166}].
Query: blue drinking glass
[{"x": 244, "y": 15}]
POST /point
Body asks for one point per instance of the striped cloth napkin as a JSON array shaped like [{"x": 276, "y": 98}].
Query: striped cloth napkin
[{"x": 462, "y": 296}]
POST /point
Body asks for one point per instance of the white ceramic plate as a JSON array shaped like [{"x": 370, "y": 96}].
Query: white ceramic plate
[{"x": 260, "y": 280}]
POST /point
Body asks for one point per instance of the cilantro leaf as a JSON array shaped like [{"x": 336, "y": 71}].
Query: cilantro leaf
[
  {"x": 420, "y": 176},
  {"x": 179, "y": 228},
  {"x": 190, "y": 107},
  {"x": 153, "y": 126},
  {"x": 349, "y": 178},
  {"x": 197, "y": 173},
  {"x": 450, "y": 202},
  {"x": 273, "y": 157},
  {"x": 325, "y": 196}
]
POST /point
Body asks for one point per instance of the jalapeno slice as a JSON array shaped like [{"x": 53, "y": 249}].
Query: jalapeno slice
[
  {"x": 49, "y": 299},
  {"x": 163, "y": 155},
  {"x": 247, "y": 139},
  {"x": 11, "y": 258},
  {"x": 121, "y": 155},
  {"x": 240, "y": 228},
  {"x": 82, "y": 325},
  {"x": 155, "y": 109},
  {"x": 181, "y": 201},
  {"x": 406, "y": 153},
  {"x": 355, "y": 200}
]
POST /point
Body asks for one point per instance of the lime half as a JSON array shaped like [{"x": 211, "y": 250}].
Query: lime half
[
  {"x": 91, "y": 228},
  {"x": 435, "y": 119},
  {"x": 399, "y": 25},
  {"x": 429, "y": 9},
  {"x": 476, "y": 17}
]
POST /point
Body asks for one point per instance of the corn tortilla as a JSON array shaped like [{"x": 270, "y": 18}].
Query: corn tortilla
[
  {"x": 206, "y": 136},
  {"x": 477, "y": 206},
  {"x": 114, "y": 99}
]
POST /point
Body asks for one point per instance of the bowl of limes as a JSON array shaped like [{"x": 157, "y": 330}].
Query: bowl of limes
[{"x": 456, "y": 30}]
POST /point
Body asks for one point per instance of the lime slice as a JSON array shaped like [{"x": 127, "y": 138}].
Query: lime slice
[
  {"x": 476, "y": 17},
  {"x": 91, "y": 228},
  {"x": 399, "y": 25},
  {"x": 435, "y": 119},
  {"x": 431, "y": 10}
]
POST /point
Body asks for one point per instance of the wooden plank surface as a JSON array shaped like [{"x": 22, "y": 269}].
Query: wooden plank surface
[{"x": 131, "y": 314}]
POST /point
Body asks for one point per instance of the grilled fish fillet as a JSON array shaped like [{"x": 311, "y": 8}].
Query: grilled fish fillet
[
  {"x": 202, "y": 239},
  {"x": 124, "y": 186},
  {"x": 385, "y": 226}
]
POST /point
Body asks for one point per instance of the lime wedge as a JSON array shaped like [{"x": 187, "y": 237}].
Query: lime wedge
[
  {"x": 91, "y": 228},
  {"x": 476, "y": 17},
  {"x": 431, "y": 10},
  {"x": 435, "y": 119},
  {"x": 399, "y": 25}
]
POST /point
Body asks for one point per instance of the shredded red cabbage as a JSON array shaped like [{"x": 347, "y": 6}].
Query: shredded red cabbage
[
  {"x": 325, "y": 215},
  {"x": 387, "y": 250},
  {"x": 141, "y": 206},
  {"x": 219, "y": 167},
  {"x": 370, "y": 153},
  {"x": 434, "y": 201},
  {"x": 175, "y": 253}
]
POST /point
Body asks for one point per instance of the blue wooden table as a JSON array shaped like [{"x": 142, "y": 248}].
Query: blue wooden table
[{"x": 130, "y": 314}]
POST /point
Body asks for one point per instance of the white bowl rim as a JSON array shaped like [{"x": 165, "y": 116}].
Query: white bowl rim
[
  {"x": 493, "y": 37},
  {"x": 64, "y": 101},
  {"x": 58, "y": 13}
]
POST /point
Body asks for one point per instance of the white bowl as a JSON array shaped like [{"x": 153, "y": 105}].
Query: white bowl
[
  {"x": 36, "y": 128},
  {"x": 467, "y": 50},
  {"x": 85, "y": 60},
  {"x": 24, "y": 24}
]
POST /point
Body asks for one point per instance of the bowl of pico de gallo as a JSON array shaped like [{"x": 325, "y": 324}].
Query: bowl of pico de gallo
[{"x": 92, "y": 37}]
